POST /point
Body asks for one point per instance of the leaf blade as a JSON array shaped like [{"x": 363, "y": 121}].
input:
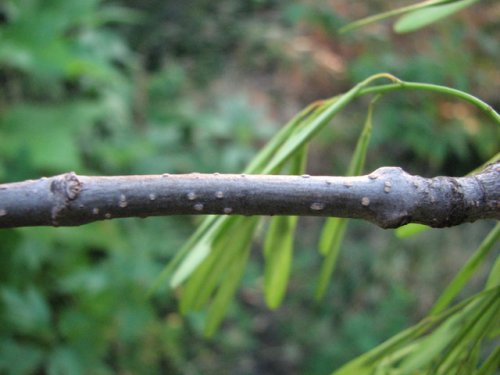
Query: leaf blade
[
  {"x": 204, "y": 280},
  {"x": 409, "y": 230},
  {"x": 226, "y": 291},
  {"x": 467, "y": 271},
  {"x": 278, "y": 249},
  {"x": 391, "y": 13},
  {"x": 278, "y": 246},
  {"x": 423, "y": 17},
  {"x": 334, "y": 229}
]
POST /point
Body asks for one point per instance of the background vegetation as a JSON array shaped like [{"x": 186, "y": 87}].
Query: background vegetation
[{"x": 131, "y": 87}]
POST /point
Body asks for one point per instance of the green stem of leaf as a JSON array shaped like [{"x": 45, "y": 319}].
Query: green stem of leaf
[{"x": 485, "y": 107}]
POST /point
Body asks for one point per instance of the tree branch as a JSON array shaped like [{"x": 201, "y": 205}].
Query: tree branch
[{"x": 388, "y": 197}]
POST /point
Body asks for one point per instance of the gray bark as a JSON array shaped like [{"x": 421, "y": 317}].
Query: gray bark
[{"x": 388, "y": 197}]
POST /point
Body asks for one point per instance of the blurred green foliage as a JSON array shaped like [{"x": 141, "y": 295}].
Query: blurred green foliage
[{"x": 129, "y": 87}]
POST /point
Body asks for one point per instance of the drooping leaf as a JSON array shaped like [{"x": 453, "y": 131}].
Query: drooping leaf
[
  {"x": 409, "y": 230},
  {"x": 401, "y": 343},
  {"x": 324, "y": 116},
  {"x": 278, "y": 247},
  {"x": 468, "y": 341},
  {"x": 205, "y": 279},
  {"x": 330, "y": 241},
  {"x": 334, "y": 228},
  {"x": 457, "y": 332},
  {"x": 391, "y": 13},
  {"x": 197, "y": 254},
  {"x": 258, "y": 163},
  {"x": 494, "y": 278},
  {"x": 274, "y": 157},
  {"x": 492, "y": 363},
  {"x": 170, "y": 269},
  {"x": 407, "y": 345},
  {"x": 228, "y": 287},
  {"x": 467, "y": 271},
  {"x": 214, "y": 224},
  {"x": 195, "y": 251},
  {"x": 224, "y": 295},
  {"x": 269, "y": 160},
  {"x": 359, "y": 156},
  {"x": 423, "y": 17}
]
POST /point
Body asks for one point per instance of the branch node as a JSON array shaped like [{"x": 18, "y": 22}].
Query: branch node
[
  {"x": 65, "y": 188},
  {"x": 394, "y": 220}
]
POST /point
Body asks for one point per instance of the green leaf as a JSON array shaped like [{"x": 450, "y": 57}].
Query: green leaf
[
  {"x": 184, "y": 263},
  {"x": 224, "y": 295},
  {"x": 404, "y": 343},
  {"x": 205, "y": 279},
  {"x": 197, "y": 254},
  {"x": 390, "y": 13},
  {"x": 226, "y": 291},
  {"x": 358, "y": 159},
  {"x": 430, "y": 347},
  {"x": 278, "y": 249},
  {"x": 278, "y": 246},
  {"x": 467, "y": 271},
  {"x": 420, "y": 18},
  {"x": 322, "y": 118},
  {"x": 270, "y": 160},
  {"x": 494, "y": 278},
  {"x": 334, "y": 228},
  {"x": 409, "y": 230},
  {"x": 297, "y": 134},
  {"x": 477, "y": 323},
  {"x": 401, "y": 342},
  {"x": 491, "y": 365},
  {"x": 330, "y": 241},
  {"x": 457, "y": 332},
  {"x": 198, "y": 248},
  {"x": 260, "y": 161},
  {"x": 198, "y": 235}
]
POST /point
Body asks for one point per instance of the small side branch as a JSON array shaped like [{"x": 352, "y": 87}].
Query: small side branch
[{"x": 388, "y": 197}]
